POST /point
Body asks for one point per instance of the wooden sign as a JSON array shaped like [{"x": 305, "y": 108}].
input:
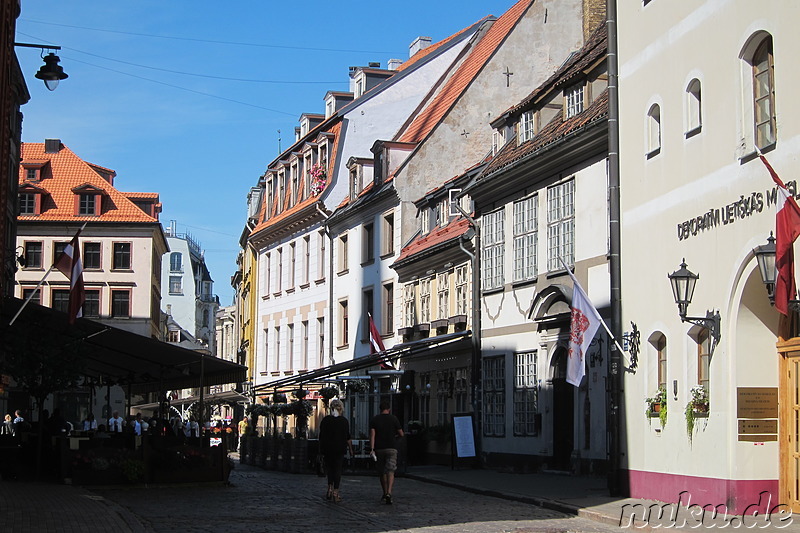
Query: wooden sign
[
  {"x": 756, "y": 402},
  {"x": 760, "y": 427},
  {"x": 758, "y": 438}
]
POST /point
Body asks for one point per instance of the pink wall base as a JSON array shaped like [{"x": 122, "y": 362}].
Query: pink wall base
[{"x": 739, "y": 496}]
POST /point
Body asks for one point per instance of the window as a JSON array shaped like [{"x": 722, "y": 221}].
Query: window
[
  {"x": 368, "y": 244},
  {"x": 306, "y": 259},
  {"x": 653, "y": 131},
  {"x": 574, "y": 100},
  {"x": 525, "y": 393},
  {"x": 175, "y": 285},
  {"x": 443, "y": 392},
  {"x": 32, "y": 174},
  {"x": 492, "y": 226},
  {"x": 176, "y": 262},
  {"x": 387, "y": 247},
  {"x": 279, "y": 272},
  {"x": 264, "y": 361},
  {"x": 425, "y": 300},
  {"x": 367, "y": 310},
  {"x": 343, "y": 253},
  {"x": 461, "y": 390},
  {"x": 87, "y": 204},
  {"x": 58, "y": 249},
  {"x": 294, "y": 193},
  {"x": 122, "y": 256},
  {"x": 281, "y": 191},
  {"x": 526, "y": 126},
  {"x": 659, "y": 342},
  {"x": 60, "y": 299},
  {"x": 120, "y": 303},
  {"x": 764, "y": 95},
  {"x": 494, "y": 396},
  {"x": 33, "y": 254},
  {"x": 304, "y": 347},
  {"x": 693, "y": 109},
  {"x": 497, "y": 141},
  {"x": 453, "y": 202},
  {"x": 703, "y": 358},
  {"x": 525, "y": 238},
  {"x": 425, "y": 398},
  {"x": 267, "y": 274},
  {"x": 292, "y": 264},
  {"x": 355, "y": 182},
  {"x": 424, "y": 220},
  {"x": 174, "y": 336},
  {"x": 91, "y": 304},
  {"x": 387, "y": 311},
  {"x": 276, "y": 357},
  {"x": 443, "y": 295},
  {"x": 35, "y": 299},
  {"x": 290, "y": 352},
  {"x": 321, "y": 342},
  {"x": 27, "y": 204},
  {"x": 91, "y": 258},
  {"x": 462, "y": 290},
  {"x": 409, "y": 305},
  {"x": 343, "y": 323},
  {"x": 321, "y": 257},
  {"x": 561, "y": 225}
]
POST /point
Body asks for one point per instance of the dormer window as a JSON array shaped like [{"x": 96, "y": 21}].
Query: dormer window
[
  {"x": 573, "y": 100},
  {"x": 355, "y": 183},
  {"x": 497, "y": 141},
  {"x": 27, "y": 204},
  {"x": 87, "y": 204},
  {"x": 526, "y": 121},
  {"x": 33, "y": 170},
  {"x": 424, "y": 220},
  {"x": 88, "y": 201}
]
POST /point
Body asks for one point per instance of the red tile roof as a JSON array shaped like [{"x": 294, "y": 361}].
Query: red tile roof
[
  {"x": 426, "y": 51},
  {"x": 455, "y": 86},
  {"x": 67, "y": 171},
  {"x": 437, "y": 236}
]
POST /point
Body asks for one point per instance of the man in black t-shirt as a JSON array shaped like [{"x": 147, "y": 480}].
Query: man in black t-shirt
[{"x": 383, "y": 429}]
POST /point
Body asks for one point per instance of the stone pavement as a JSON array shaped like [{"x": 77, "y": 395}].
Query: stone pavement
[{"x": 426, "y": 499}]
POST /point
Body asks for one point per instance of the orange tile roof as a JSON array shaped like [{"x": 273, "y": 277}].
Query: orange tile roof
[
  {"x": 455, "y": 86},
  {"x": 68, "y": 171},
  {"x": 437, "y": 236},
  {"x": 426, "y": 51}
]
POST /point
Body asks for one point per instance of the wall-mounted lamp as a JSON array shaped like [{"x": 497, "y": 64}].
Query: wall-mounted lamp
[
  {"x": 51, "y": 72},
  {"x": 675, "y": 388},
  {"x": 765, "y": 255},
  {"x": 683, "y": 282}
]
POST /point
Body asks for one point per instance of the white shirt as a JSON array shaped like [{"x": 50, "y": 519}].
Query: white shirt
[
  {"x": 89, "y": 426},
  {"x": 115, "y": 425}
]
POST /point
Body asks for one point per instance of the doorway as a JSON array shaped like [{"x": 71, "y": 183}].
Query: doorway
[{"x": 563, "y": 412}]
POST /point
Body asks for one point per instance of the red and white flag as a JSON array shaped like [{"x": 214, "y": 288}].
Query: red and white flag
[
  {"x": 69, "y": 263},
  {"x": 787, "y": 229},
  {"x": 583, "y": 325},
  {"x": 376, "y": 343}
]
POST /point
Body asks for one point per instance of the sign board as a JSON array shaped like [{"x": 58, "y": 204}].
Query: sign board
[
  {"x": 761, "y": 427},
  {"x": 464, "y": 435},
  {"x": 758, "y": 438},
  {"x": 215, "y": 441},
  {"x": 756, "y": 402}
]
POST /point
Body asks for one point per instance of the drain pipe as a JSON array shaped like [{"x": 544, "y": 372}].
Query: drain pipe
[
  {"x": 615, "y": 484},
  {"x": 476, "y": 323}
]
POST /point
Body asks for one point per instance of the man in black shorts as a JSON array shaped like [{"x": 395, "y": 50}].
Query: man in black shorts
[{"x": 383, "y": 429}]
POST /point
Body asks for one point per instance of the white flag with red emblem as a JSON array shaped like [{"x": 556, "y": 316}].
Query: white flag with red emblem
[
  {"x": 583, "y": 325},
  {"x": 69, "y": 263}
]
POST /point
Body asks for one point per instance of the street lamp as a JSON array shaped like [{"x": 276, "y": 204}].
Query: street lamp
[
  {"x": 765, "y": 255},
  {"x": 51, "y": 72},
  {"x": 683, "y": 282}
]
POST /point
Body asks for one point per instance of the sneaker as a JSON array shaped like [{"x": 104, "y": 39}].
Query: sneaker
[{"x": 388, "y": 499}]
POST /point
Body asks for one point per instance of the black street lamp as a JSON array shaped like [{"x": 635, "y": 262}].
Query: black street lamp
[
  {"x": 51, "y": 72},
  {"x": 683, "y": 282},
  {"x": 765, "y": 255}
]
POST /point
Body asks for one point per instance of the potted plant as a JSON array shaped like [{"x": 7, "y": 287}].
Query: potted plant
[
  {"x": 328, "y": 393},
  {"x": 657, "y": 405},
  {"x": 696, "y": 407}
]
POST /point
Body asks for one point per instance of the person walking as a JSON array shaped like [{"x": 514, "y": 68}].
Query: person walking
[
  {"x": 384, "y": 428},
  {"x": 334, "y": 442},
  {"x": 8, "y": 426}
]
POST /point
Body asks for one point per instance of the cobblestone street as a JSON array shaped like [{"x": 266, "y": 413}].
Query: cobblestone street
[{"x": 260, "y": 500}]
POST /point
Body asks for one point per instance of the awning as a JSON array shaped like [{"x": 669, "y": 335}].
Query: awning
[
  {"x": 229, "y": 396},
  {"x": 404, "y": 352},
  {"x": 128, "y": 359}
]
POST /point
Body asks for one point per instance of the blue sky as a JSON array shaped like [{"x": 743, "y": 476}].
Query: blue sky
[{"x": 186, "y": 98}]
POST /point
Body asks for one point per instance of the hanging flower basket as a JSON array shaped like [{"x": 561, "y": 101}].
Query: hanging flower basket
[{"x": 318, "y": 178}]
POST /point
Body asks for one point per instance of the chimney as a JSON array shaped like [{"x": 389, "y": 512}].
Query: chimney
[
  {"x": 52, "y": 146},
  {"x": 394, "y": 64},
  {"x": 374, "y": 64},
  {"x": 420, "y": 43}
]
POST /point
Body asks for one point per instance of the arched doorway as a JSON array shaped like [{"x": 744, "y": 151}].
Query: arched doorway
[{"x": 563, "y": 411}]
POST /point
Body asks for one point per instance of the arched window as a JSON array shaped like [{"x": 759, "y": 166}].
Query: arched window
[
  {"x": 653, "y": 131},
  {"x": 694, "y": 120},
  {"x": 764, "y": 94},
  {"x": 176, "y": 262},
  {"x": 659, "y": 343}
]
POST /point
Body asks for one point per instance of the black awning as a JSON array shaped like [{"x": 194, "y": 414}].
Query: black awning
[
  {"x": 143, "y": 363},
  {"x": 400, "y": 352}
]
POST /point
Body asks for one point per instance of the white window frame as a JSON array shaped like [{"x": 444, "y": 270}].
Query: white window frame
[
  {"x": 462, "y": 289},
  {"x": 526, "y": 128},
  {"x": 561, "y": 224},
  {"x": 653, "y": 130},
  {"x": 443, "y": 295},
  {"x": 526, "y": 236},
  {"x": 526, "y": 394},
  {"x": 409, "y": 304},
  {"x": 425, "y": 300},
  {"x": 574, "y": 100},
  {"x": 694, "y": 109},
  {"x": 493, "y": 251}
]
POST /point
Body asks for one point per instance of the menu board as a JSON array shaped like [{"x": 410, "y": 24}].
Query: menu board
[{"x": 464, "y": 435}]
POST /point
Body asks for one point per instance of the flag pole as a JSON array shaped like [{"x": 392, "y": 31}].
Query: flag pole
[
  {"x": 41, "y": 282},
  {"x": 602, "y": 322}
]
